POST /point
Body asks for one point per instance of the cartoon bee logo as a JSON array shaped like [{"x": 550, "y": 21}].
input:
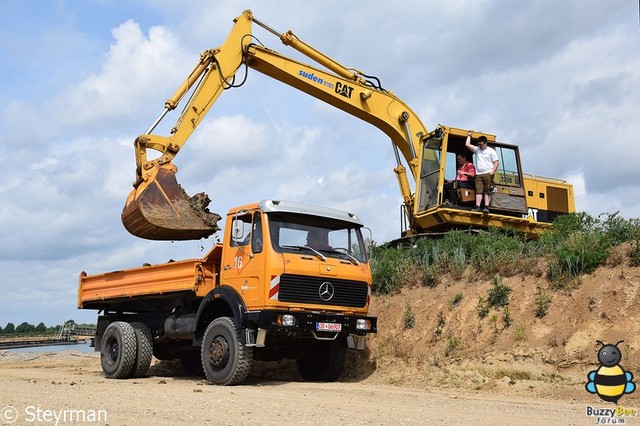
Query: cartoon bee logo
[{"x": 610, "y": 381}]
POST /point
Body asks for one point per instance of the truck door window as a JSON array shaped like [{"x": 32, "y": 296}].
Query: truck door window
[{"x": 256, "y": 241}]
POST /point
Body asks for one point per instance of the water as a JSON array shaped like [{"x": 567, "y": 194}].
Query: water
[{"x": 82, "y": 347}]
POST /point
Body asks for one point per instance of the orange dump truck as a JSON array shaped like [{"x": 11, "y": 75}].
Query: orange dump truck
[{"x": 289, "y": 280}]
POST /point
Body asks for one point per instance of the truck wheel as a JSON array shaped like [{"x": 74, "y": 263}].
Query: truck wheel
[
  {"x": 144, "y": 349},
  {"x": 322, "y": 361},
  {"x": 118, "y": 350},
  {"x": 224, "y": 359},
  {"x": 191, "y": 364}
]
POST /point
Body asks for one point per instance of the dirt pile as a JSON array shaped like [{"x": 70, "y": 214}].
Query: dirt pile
[{"x": 436, "y": 337}]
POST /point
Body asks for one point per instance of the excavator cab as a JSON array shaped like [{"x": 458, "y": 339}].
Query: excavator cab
[
  {"x": 439, "y": 165},
  {"x": 524, "y": 202}
]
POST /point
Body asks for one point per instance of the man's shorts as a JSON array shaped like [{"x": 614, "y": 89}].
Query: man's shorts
[{"x": 483, "y": 184}]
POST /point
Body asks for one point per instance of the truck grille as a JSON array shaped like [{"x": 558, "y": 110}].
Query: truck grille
[{"x": 305, "y": 289}]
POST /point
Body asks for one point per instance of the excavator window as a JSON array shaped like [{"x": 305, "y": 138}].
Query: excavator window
[
  {"x": 430, "y": 173},
  {"x": 508, "y": 173}
]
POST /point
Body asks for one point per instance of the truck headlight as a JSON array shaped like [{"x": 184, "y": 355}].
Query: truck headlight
[
  {"x": 363, "y": 324},
  {"x": 286, "y": 320}
]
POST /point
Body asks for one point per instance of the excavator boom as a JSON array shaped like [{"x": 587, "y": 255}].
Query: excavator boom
[{"x": 159, "y": 209}]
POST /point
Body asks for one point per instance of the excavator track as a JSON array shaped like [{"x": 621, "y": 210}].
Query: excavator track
[{"x": 159, "y": 209}]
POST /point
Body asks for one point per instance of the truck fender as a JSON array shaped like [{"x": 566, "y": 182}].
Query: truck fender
[{"x": 223, "y": 301}]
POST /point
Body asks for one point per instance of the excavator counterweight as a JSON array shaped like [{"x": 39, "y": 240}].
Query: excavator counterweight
[{"x": 159, "y": 209}]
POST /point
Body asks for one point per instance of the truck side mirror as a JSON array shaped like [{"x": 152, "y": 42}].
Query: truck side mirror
[
  {"x": 237, "y": 229},
  {"x": 368, "y": 242}
]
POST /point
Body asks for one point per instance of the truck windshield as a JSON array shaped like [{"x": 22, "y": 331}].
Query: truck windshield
[{"x": 295, "y": 233}]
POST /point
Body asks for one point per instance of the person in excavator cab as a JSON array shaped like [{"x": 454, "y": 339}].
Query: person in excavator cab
[{"x": 465, "y": 175}]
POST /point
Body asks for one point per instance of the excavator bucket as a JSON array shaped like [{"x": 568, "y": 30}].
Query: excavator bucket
[{"x": 159, "y": 209}]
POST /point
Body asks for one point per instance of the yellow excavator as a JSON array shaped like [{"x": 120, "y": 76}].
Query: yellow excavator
[{"x": 159, "y": 209}]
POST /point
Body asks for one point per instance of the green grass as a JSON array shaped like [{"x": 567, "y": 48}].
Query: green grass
[
  {"x": 577, "y": 245},
  {"x": 520, "y": 333}
]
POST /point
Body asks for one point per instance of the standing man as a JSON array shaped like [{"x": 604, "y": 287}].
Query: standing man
[{"x": 486, "y": 166}]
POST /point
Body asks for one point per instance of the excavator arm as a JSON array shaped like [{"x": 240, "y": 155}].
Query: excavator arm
[{"x": 159, "y": 209}]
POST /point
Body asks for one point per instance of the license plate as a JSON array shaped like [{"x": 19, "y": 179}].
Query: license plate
[{"x": 328, "y": 326}]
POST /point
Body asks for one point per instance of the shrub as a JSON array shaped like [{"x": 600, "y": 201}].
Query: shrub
[
  {"x": 455, "y": 301},
  {"x": 482, "y": 309},
  {"x": 384, "y": 265},
  {"x": 493, "y": 320},
  {"x": 498, "y": 294},
  {"x": 409, "y": 318},
  {"x": 563, "y": 227},
  {"x": 542, "y": 302},
  {"x": 506, "y": 317},
  {"x": 520, "y": 333},
  {"x": 634, "y": 253},
  {"x": 617, "y": 229},
  {"x": 440, "y": 324},
  {"x": 452, "y": 344},
  {"x": 582, "y": 252}
]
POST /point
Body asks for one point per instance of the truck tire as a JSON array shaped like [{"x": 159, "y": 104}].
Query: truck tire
[
  {"x": 322, "y": 361},
  {"x": 144, "y": 349},
  {"x": 118, "y": 350},
  {"x": 225, "y": 360}
]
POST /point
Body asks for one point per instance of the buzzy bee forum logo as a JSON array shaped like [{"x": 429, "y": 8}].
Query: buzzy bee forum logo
[{"x": 610, "y": 381}]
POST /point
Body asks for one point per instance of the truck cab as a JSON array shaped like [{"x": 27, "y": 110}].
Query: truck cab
[{"x": 278, "y": 254}]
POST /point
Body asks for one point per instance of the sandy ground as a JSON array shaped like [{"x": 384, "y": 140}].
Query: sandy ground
[{"x": 61, "y": 388}]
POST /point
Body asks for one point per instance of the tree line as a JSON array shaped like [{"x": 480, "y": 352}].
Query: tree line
[{"x": 26, "y": 328}]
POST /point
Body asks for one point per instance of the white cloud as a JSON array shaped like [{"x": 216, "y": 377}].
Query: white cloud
[{"x": 138, "y": 71}]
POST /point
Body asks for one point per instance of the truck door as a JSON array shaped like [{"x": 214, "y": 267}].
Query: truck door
[{"x": 244, "y": 261}]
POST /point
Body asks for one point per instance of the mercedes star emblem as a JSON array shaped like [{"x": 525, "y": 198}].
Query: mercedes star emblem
[{"x": 326, "y": 291}]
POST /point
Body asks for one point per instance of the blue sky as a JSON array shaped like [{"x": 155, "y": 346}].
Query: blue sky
[{"x": 81, "y": 79}]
